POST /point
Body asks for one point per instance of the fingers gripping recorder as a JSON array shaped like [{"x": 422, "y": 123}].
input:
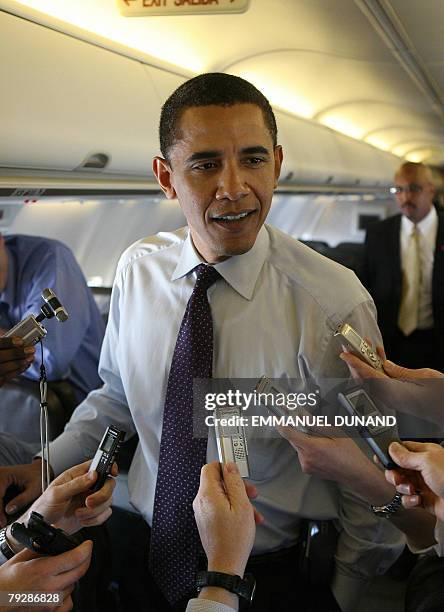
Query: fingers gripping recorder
[
  {"x": 31, "y": 330},
  {"x": 358, "y": 346}
]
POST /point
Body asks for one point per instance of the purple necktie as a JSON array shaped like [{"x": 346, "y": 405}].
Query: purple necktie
[{"x": 174, "y": 536}]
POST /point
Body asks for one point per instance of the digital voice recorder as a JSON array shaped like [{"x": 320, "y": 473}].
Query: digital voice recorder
[
  {"x": 43, "y": 538},
  {"x": 358, "y": 403},
  {"x": 358, "y": 346},
  {"x": 106, "y": 455},
  {"x": 230, "y": 438}
]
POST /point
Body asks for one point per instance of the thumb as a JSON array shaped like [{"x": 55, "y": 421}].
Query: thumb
[
  {"x": 405, "y": 458},
  {"x": 395, "y": 371},
  {"x": 24, "y": 555},
  {"x": 234, "y": 485}
]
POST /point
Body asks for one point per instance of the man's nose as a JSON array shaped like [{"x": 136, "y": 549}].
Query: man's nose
[
  {"x": 232, "y": 184},
  {"x": 402, "y": 196}
]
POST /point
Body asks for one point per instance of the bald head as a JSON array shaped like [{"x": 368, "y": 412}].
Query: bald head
[{"x": 415, "y": 190}]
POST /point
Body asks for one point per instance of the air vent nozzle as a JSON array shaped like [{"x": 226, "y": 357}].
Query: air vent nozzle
[{"x": 95, "y": 161}]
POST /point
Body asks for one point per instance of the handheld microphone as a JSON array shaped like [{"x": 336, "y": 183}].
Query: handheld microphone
[
  {"x": 56, "y": 308},
  {"x": 30, "y": 328}
]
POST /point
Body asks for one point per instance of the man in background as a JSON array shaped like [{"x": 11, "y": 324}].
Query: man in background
[
  {"x": 29, "y": 264},
  {"x": 404, "y": 272}
]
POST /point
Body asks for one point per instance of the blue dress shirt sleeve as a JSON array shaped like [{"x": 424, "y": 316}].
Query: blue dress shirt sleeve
[{"x": 58, "y": 270}]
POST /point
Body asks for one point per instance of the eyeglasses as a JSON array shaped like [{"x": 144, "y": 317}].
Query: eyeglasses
[{"x": 412, "y": 188}]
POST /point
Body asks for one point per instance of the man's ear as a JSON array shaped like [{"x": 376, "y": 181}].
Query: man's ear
[
  {"x": 278, "y": 157},
  {"x": 162, "y": 171}
]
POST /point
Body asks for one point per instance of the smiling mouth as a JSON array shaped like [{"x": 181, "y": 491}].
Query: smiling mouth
[{"x": 233, "y": 217}]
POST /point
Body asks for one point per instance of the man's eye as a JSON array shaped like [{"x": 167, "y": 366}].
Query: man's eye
[
  {"x": 255, "y": 161},
  {"x": 205, "y": 166}
]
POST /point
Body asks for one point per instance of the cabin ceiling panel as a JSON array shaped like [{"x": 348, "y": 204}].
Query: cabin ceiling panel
[
  {"x": 206, "y": 42},
  {"x": 423, "y": 21},
  {"x": 61, "y": 101},
  {"x": 320, "y": 59}
]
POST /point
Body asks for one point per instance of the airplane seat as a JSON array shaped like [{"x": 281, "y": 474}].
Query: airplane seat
[
  {"x": 102, "y": 297},
  {"x": 20, "y": 408},
  {"x": 317, "y": 245},
  {"x": 350, "y": 255}
]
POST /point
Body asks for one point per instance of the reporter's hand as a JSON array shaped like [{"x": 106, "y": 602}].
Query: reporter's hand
[
  {"x": 339, "y": 459},
  {"x": 14, "y": 358},
  {"x": 26, "y": 572},
  {"x": 67, "y": 503},
  {"x": 225, "y": 518},
  {"x": 421, "y": 479},
  {"x": 361, "y": 370},
  {"x": 26, "y": 477}
]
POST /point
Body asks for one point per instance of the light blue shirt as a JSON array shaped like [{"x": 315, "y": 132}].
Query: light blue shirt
[
  {"x": 279, "y": 300},
  {"x": 72, "y": 348}
]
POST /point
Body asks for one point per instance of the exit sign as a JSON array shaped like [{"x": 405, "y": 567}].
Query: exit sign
[{"x": 151, "y": 8}]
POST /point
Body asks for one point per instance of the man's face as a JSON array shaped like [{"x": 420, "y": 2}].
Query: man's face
[
  {"x": 415, "y": 194},
  {"x": 223, "y": 170}
]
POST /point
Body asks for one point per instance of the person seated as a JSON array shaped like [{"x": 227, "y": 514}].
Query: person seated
[{"x": 29, "y": 264}]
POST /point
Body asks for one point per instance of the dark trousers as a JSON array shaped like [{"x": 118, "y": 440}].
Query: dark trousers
[{"x": 279, "y": 588}]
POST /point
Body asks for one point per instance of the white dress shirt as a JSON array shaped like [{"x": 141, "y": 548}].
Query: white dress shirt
[
  {"x": 279, "y": 300},
  {"x": 428, "y": 229}
]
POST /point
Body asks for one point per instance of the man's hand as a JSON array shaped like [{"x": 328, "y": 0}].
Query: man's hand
[
  {"x": 361, "y": 370},
  {"x": 415, "y": 392},
  {"x": 25, "y": 572},
  {"x": 421, "y": 479},
  {"x": 14, "y": 358},
  {"x": 27, "y": 478},
  {"x": 225, "y": 518},
  {"x": 67, "y": 504},
  {"x": 338, "y": 458}
]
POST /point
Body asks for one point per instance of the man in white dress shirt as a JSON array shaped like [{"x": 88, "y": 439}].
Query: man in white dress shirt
[{"x": 275, "y": 299}]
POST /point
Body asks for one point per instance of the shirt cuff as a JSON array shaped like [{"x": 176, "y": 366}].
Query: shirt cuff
[
  {"x": 348, "y": 591},
  {"x": 64, "y": 452},
  {"x": 205, "y": 605}
]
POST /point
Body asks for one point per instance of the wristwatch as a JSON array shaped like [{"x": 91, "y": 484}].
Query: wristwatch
[
  {"x": 4, "y": 545},
  {"x": 389, "y": 509},
  {"x": 243, "y": 587}
]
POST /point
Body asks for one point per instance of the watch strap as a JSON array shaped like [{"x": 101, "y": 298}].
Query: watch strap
[
  {"x": 6, "y": 550},
  {"x": 389, "y": 509},
  {"x": 242, "y": 587}
]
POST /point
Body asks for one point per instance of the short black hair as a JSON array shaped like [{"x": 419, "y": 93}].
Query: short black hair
[{"x": 210, "y": 88}]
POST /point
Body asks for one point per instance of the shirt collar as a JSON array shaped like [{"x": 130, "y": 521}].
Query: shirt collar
[
  {"x": 240, "y": 271},
  {"x": 8, "y": 295},
  {"x": 424, "y": 226}
]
